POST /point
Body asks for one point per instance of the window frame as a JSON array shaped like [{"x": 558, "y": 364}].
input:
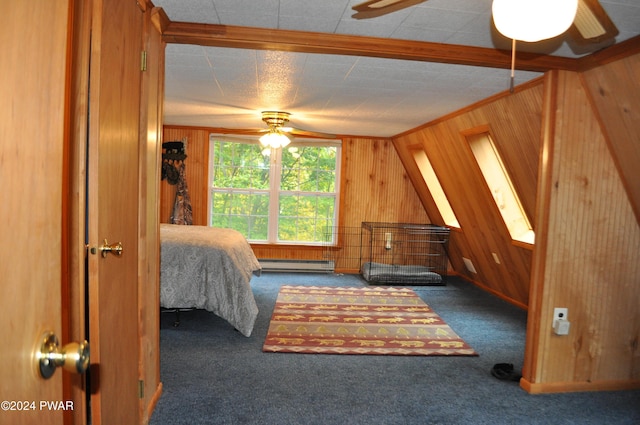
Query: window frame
[
  {"x": 438, "y": 195},
  {"x": 526, "y": 238},
  {"x": 275, "y": 191}
]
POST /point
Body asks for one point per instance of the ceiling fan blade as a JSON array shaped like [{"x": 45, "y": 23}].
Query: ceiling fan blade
[
  {"x": 375, "y": 8},
  {"x": 243, "y": 131},
  {"x": 592, "y": 24},
  {"x": 308, "y": 133}
]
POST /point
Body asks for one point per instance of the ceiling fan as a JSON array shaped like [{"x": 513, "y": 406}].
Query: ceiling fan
[
  {"x": 279, "y": 136},
  {"x": 591, "y": 25},
  {"x": 276, "y": 122}
]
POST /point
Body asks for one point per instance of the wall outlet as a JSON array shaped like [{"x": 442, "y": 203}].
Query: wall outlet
[
  {"x": 561, "y": 327},
  {"x": 469, "y": 265},
  {"x": 561, "y": 322},
  {"x": 560, "y": 314}
]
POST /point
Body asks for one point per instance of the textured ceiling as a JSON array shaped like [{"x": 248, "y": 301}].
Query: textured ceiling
[{"x": 229, "y": 87}]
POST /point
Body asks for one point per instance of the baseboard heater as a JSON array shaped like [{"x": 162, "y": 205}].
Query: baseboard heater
[{"x": 301, "y": 266}]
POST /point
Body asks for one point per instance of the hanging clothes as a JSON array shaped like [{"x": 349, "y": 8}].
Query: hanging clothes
[
  {"x": 173, "y": 154},
  {"x": 182, "y": 213}
]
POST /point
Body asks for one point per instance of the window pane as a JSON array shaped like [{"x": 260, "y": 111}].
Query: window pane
[
  {"x": 309, "y": 168},
  {"x": 239, "y": 165},
  {"x": 245, "y": 212},
  {"x": 501, "y": 188},
  {"x": 305, "y": 218},
  {"x": 433, "y": 184}
]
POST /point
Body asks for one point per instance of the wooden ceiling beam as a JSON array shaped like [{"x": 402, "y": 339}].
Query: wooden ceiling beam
[{"x": 352, "y": 45}]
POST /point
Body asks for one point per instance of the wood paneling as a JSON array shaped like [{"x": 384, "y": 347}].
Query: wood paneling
[
  {"x": 196, "y": 169},
  {"x": 588, "y": 256},
  {"x": 514, "y": 123},
  {"x": 374, "y": 187},
  {"x": 588, "y": 238},
  {"x": 613, "y": 89}
]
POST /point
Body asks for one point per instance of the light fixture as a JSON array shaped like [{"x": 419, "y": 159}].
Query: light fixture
[
  {"x": 532, "y": 20},
  {"x": 274, "y": 139}
]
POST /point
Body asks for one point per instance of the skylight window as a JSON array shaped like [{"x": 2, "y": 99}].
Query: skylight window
[
  {"x": 430, "y": 178},
  {"x": 504, "y": 195}
]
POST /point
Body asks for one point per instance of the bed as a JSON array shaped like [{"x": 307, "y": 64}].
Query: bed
[{"x": 208, "y": 268}]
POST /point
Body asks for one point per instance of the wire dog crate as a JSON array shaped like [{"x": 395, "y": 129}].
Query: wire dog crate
[{"x": 404, "y": 253}]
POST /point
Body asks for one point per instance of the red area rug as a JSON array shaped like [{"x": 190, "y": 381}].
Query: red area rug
[{"x": 342, "y": 320}]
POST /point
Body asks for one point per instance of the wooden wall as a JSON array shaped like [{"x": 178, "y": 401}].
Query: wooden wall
[
  {"x": 589, "y": 245},
  {"x": 570, "y": 144},
  {"x": 514, "y": 123},
  {"x": 196, "y": 169},
  {"x": 374, "y": 187},
  {"x": 615, "y": 101}
]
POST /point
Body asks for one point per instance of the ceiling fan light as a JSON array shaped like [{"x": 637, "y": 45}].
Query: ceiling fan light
[
  {"x": 274, "y": 139},
  {"x": 533, "y": 20}
]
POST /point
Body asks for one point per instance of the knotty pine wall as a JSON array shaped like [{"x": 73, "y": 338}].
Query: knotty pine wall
[
  {"x": 615, "y": 101},
  {"x": 570, "y": 144},
  {"x": 588, "y": 249},
  {"x": 197, "y": 171},
  {"x": 374, "y": 187},
  {"x": 514, "y": 123}
]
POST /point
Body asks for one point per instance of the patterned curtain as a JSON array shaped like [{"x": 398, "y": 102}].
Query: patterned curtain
[{"x": 182, "y": 213}]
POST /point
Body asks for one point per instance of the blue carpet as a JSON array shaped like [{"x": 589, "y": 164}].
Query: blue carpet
[{"x": 213, "y": 375}]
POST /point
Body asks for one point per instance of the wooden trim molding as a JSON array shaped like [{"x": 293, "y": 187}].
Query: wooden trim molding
[
  {"x": 489, "y": 290},
  {"x": 153, "y": 402},
  {"x": 341, "y": 44},
  {"x": 536, "y": 286},
  {"x": 566, "y": 387}
]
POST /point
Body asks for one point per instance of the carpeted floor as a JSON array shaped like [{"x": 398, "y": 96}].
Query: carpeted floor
[{"x": 213, "y": 375}]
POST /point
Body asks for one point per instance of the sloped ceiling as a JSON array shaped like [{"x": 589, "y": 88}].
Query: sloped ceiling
[{"x": 344, "y": 94}]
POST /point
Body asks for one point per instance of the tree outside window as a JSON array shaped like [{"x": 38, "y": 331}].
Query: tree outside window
[{"x": 276, "y": 195}]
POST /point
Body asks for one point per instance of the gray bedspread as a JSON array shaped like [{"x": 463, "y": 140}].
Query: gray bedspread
[{"x": 208, "y": 268}]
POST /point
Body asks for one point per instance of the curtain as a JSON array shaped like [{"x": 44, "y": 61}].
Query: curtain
[{"x": 182, "y": 213}]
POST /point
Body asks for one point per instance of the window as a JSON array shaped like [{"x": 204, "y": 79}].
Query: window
[
  {"x": 501, "y": 187},
  {"x": 285, "y": 195},
  {"x": 430, "y": 178}
]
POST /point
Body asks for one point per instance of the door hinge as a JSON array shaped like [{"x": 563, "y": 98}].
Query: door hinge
[
  {"x": 141, "y": 388},
  {"x": 143, "y": 61}
]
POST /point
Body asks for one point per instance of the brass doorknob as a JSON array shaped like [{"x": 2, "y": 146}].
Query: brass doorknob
[
  {"x": 115, "y": 248},
  {"x": 73, "y": 357}
]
